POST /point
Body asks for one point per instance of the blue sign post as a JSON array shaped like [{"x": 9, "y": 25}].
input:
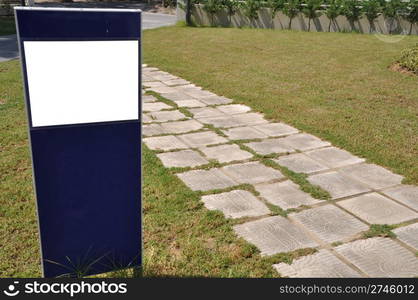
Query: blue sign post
[{"x": 81, "y": 73}]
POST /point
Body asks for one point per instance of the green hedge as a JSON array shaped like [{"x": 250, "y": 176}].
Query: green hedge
[
  {"x": 409, "y": 59},
  {"x": 353, "y": 10}
]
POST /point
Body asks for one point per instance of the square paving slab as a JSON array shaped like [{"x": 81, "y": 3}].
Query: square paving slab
[
  {"x": 233, "y": 109},
  {"x": 190, "y": 103},
  {"x": 181, "y": 126},
  {"x": 322, "y": 264},
  {"x": 152, "y": 83},
  {"x": 164, "y": 143},
  {"x": 236, "y": 204},
  {"x": 149, "y": 69},
  {"x": 176, "y": 96},
  {"x": 337, "y": 185},
  {"x": 285, "y": 194},
  {"x": 273, "y": 235},
  {"x": 304, "y": 142},
  {"x": 226, "y": 153},
  {"x": 148, "y": 98},
  {"x": 380, "y": 257},
  {"x": 205, "y": 112},
  {"x": 174, "y": 82},
  {"x": 252, "y": 173},
  {"x": 372, "y": 175},
  {"x": 162, "y": 89},
  {"x": 165, "y": 116},
  {"x": 146, "y": 78},
  {"x": 155, "y": 106},
  {"x": 199, "y": 93},
  {"x": 181, "y": 159},
  {"x": 220, "y": 121},
  {"x": 408, "y": 235},
  {"x": 276, "y": 129},
  {"x": 215, "y": 100},
  {"x": 249, "y": 119},
  {"x": 244, "y": 133},
  {"x": 329, "y": 223},
  {"x": 206, "y": 180},
  {"x": 334, "y": 157},
  {"x": 300, "y": 163},
  {"x": 201, "y": 139},
  {"x": 377, "y": 209},
  {"x": 152, "y": 129},
  {"x": 162, "y": 77},
  {"x": 406, "y": 194},
  {"x": 146, "y": 118},
  {"x": 187, "y": 88},
  {"x": 270, "y": 146}
]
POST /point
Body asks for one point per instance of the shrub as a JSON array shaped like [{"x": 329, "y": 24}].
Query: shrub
[
  {"x": 212, "y": 7},
  {"x": 391, "y": 11},
  {"x": 333, "y": 11},
  {"x": 352, "y": 11},
  {"x": 7, "y": 9},
  {"x": 412, "y": 14},
  {"x": 371, "y": 9},
  {"x": 250, "y": 9},
  {"x": 409, "y": 59},
  {"x": 311, "y": 10},
  {"x": 291, "y": 9},
  {"x": 231, "y": 8}
]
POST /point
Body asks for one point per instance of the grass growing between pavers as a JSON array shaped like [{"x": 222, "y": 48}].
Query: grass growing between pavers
[
  {"x": 183, "y": 110},
  {"x": 300, "y": 179},
  {"x": 181, "y": 237},
  {"x": 7, "y": 25},
  {"x": 380, "y": 230},
  {"x": 334, "y": 85}
]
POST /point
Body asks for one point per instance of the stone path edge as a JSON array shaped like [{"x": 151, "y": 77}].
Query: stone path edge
[{"x": 339, "y": 167}]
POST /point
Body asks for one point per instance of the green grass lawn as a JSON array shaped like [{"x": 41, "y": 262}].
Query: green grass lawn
[
  {"x": 7, "y": 25},
  {"x": 336, "y": 86}
]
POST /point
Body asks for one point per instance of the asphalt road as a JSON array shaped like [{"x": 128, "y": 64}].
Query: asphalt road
[
  {"x": 8, "y": 44},
  {"x": 8, "y": 47}
]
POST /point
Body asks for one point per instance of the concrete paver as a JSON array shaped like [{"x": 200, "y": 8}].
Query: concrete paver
[
  {"x": 182, "y": 159},
  {"x": 274, "y": 235},
  {"x": 285, "y": 194},
  {"x": 377, "y": 209},
  {"x": 252, "y": 173},
  {"x": 380, "y": 257},
  {"x": 226, "y": 153},
  {"x": 322, "y": 264},
  {"x": 236, "y": 204}
]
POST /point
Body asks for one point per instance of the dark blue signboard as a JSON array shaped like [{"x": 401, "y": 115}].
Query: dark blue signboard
[{"x": 81, "y": 71}]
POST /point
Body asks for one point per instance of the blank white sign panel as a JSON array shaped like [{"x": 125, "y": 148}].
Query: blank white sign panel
[{"x": 82, "y": 82}]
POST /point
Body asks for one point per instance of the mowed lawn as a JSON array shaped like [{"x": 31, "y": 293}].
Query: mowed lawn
[
  {"x": 337, "y": 86},
  {"x": 181, "y": 237},
  {"x": 334, "y": 85}
]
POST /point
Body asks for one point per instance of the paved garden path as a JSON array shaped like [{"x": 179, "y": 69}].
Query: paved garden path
[{"x": 238, "y": 159}]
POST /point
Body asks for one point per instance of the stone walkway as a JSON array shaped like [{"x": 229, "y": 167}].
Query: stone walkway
[{"x": 218, "y": 145}]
